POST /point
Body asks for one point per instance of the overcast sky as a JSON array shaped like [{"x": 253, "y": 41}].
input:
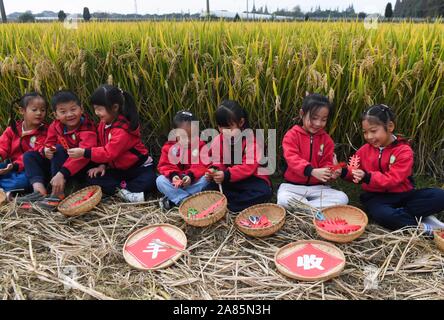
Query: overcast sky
[{"x": 166, "y": 6}]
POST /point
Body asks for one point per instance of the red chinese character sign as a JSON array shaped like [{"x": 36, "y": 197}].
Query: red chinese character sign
[
  {"x": 154, "y": 247},
  {"x": 310, "y": 260}
]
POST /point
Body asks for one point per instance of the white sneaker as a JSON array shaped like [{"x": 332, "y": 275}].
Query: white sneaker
[
  {"x": 434, "y": 222},
  {"x": 131, "y": 196}
]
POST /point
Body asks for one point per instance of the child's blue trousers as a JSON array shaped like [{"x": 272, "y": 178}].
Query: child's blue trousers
[
  {"x": 397, "y": 210},
  {"x": 13, "y": 180},
  {"x": 177, "y": 195}
]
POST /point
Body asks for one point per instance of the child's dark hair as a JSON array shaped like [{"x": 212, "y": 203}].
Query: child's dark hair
[
  {"x": 63, "y": 96},
  {"x": 23, "y": 103},
  {"x": 230, "y": 112},
  {"x": 107, "y": 96},
  {"x": 183, "y": 116},
  {"x": 312, "y": 103},
  {"x": 379, "y": 114}
]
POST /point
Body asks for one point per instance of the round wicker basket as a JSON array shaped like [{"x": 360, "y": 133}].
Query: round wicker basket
[
  {"x": 321, "y": 245},
  {"x": 274, "y": 213},
  {"x": 353, "y": 216},
  {"x": 439, "y": 239},
  {"x": 67, "y": 208},
  {"x": 171, "y": 230},
  {"x": 201, "y": 201}
]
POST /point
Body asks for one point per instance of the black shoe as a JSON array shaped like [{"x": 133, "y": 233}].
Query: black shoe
[
  {"x": 30, "y": 198},
  {"x": 166, "y": 204}
]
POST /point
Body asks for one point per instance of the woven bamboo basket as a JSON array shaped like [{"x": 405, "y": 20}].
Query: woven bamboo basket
[
  {"x": 439, "y": 240},
  {"x": 274, "y": 213},
  {"x": 2, "y": 196},
  {"x": 353, "y": 216},
  {"x": 66, "y": 206},
  {"x": 324, "y": 246},
  {"x": 171, "y": 230},
  {"x": 201, "y": 201}
]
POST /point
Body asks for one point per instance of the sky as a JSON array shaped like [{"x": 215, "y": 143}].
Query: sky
[{"x": 192, "y": 6}]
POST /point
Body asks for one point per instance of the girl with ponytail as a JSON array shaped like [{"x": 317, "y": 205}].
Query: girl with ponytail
[
  {"x": 26, "y": 134},
  {"x": 124, "y": 163}
]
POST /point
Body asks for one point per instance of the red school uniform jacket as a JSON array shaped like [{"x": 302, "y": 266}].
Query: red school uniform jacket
[
  {"x": 387, "y": 170},
  {"x": 119, "y": 146},
  {"x": 304, "y": 152},
  {"x": 194, "y": 170},
  {"x": 84, "y": 136},
  {"x": 13, "y": 146},
  {"x": 241, "y": 171}
]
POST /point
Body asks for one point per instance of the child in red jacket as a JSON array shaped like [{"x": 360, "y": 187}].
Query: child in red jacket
[
  {"x": 180, "y": 167},
  {"x": 309, "y": 152},
  {"x": 386, "y": 169},
  {"x": 235, "y": 156},
  {"x": 125, "y": 165},
  {"x": 71, "y": 128},
  {"x": 21, "y": 136}
]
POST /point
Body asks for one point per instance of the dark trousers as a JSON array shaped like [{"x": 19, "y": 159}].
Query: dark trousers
[
  {"x": 245, "y": 193},
  {"x": 138, "y": 179},
  {"x": 397, "y": 210},
  {"x": 40, "y": 169}
]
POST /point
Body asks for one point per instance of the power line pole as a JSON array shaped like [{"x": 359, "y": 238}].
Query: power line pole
[
  {"x": 208, "y": 9},
  {"x": 135, "y": 6},
  {"x": 3, "y": 12}
]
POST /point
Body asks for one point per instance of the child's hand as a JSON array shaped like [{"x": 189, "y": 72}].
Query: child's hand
[
  {"x": 322, "y": 174},
  {"x": 94, "y": 172},
  {"x": 6, "y": 170},
  {"x": 209, "y": 174},
  {"x": 76, "y": 153},
  {"x": 49, "y": 153},
  {"x": 218, "y": 177},
  {"x": 177, "y": 182},
  {"x": 358, "y": 175},
  {"x": 186, "y": 181},
  {"x": 336, "y": 174},
  {"x": 58, "y": 183}
]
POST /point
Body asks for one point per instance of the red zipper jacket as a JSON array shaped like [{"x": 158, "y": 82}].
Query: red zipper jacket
[
  {"x": 84, "y": 136},
  {"x": 13, "y": 146},
  {"x": 241, "y": 171},
  {"x": 304, "y": 152},
  {"x": 387, "y": 170},
  {"x": 195, "y": 171},
  {"x": 119, "y": 147}
]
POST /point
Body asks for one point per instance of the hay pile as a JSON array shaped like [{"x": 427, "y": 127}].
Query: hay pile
[{"x": 47, "y": 256}]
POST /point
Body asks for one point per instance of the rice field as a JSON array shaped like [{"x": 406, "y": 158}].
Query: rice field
[{"x": 268, "y": 67}]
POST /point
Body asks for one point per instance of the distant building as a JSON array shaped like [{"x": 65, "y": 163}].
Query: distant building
[
  {"x": 224, "y": 14},
  {"x": 45, "y": 19}
]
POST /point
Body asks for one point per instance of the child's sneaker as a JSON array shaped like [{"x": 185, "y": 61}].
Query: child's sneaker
[
  {"x": 131, "y": 196},
  {"x": 165, "y": 203},
  {"x": 50, "y": 203},
  {"x": 30, "y": 198}
]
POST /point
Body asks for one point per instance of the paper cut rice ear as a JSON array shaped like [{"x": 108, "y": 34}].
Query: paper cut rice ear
[{"x": 354, "y": 162}]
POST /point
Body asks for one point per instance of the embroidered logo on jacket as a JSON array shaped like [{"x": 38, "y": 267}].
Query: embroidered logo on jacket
[{"x": 321, "y": 150}]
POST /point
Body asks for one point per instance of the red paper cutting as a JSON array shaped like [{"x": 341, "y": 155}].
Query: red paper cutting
[
  {"x": 354, "y": 162},
  {"x": 310, "y": 262},
  {"x": 210, "y": 210},
  {"x": 177, "y": 183},
  {"x": 340, "y": 165},
  {"x": 337, "y": 225},
  {"x": 85, "y": 198},
  {"x": 149, "y": 253},
  {"x": 63, "y": 142}
]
